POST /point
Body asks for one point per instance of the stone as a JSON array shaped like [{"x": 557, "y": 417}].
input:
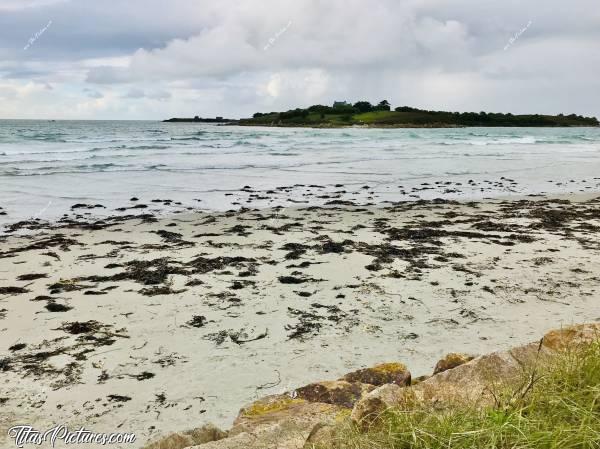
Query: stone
[
  {"x": 385, "y": 373},
  {"x": 206, "y": 434},
  {"x": 266, "y": 410},
  {"x": 287, "y": 420},
  {"x": 572, "y": 336},
  {"x": 322, "y": 435},
  {"x": 172, "y": 441},
  {"x": 285, "y": 434},
  {"x": 279, "y": 408},
  {"x": 472, "y": 382},
  {"x": 368, "y": 409},
  {"x": 200, "y": 435},
  {"x": 277, "y": 421},
  {"x": 419, "y": 379},
  {"x": 337, "y": 392},
  {"x": 450, "y": 361}
]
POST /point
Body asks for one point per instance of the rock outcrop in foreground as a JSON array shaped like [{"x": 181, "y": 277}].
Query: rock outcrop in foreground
[{"x": 304, "y": 417}]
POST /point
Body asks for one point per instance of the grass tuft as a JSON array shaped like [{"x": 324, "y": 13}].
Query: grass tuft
[{"x": 558, "y": 409}]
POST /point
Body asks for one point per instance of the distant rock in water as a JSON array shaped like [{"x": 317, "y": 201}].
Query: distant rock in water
[{"x": 201, "y": 120}]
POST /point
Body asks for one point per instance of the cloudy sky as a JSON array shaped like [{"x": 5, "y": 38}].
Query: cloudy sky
[{"x": 152, "y": 59}]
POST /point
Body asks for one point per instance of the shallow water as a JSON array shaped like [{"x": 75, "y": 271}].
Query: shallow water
[{"x": 45, "y": 167}]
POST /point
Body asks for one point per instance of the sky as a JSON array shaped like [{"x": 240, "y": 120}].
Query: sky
[{"x": 155, "y": 59}]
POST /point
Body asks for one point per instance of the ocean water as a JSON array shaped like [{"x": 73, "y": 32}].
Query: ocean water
[{"x": 46, "y": 167}]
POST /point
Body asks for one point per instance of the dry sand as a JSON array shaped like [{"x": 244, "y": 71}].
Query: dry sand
[{"x": 156, "y": 325}]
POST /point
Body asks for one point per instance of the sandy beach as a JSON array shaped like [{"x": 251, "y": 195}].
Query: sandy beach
[
  {"x": 270, "y": 225},
  {"x": 151, "y": 324}
]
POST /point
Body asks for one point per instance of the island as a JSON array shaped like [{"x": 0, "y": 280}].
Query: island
[
  {"x": 364, "y": 114},
  {"x": 197, "y": 119}
]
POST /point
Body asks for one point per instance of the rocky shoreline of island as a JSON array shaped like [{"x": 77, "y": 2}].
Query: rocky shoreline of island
[{"x": 364, "y": 114}]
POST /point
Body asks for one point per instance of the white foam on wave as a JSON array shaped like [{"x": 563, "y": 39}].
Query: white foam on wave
[{"x": 111, "y": 161}]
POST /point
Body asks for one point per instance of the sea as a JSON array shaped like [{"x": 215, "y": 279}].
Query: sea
[{"x": 48, "y": 166}]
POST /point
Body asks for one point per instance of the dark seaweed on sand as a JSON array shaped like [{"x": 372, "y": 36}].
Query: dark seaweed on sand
[
  {"x": 31, "y": 277},
  {"x": 239, "y": 337},
  {"x": 296, "y": 250},
  {"x": 118, "y": 398},
  {"x": 146, "y": 272},
  {"x": 173, "y": 238},
  {"x": 85, "y": 327},
  {"x": 157, "y": 290},
  {"x": 56, "y": 241},
  {"x": 203, "y": 265},
  {"x": 197, "y": 321},
  {"x": 37, "y": 360},
  {"x": 56, "y": 307},
  {"x": 13, "y": 290},
  {"x": 310, "y": 322}
]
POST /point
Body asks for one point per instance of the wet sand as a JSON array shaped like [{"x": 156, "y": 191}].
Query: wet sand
[{"x": 153, "y": 324}]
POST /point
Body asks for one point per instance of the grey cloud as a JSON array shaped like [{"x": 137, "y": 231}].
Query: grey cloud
[
  {"x": 90, "y": 28},
  {"x": 211, "y": 56},
  {"x": 22, "y": 73},
  {"x": 137, "y": 94},
  {"x": 91, "y": 93}
]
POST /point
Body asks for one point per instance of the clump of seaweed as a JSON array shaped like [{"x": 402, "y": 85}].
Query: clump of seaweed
[
  {"x": 31, "y": 277},
  {"x": 203, "y": 265},
  {"x": 157, "y": 290},
  {"x": 67, "y": 285},
  {"x": 197, "y": 321},
  {"x": 57, "y": 307},
  {"x": 13, "y": 290}
]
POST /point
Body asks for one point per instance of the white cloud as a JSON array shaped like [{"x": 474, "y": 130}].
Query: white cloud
[
  {"x": 273, "y": 87},
  {"x": 385, "y": 36},
  {"x": 296, "y": 87}
]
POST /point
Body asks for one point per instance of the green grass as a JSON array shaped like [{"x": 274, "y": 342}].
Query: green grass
[
  {"x": 391, "y": 118},
  {"x": 560, "y": 410},
  {"x": 416, "y": 118},
  {"x": 376, "y": 116}
]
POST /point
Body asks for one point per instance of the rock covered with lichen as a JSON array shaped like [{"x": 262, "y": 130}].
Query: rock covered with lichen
[
  {"x": 385, "y": 373},
  {"x": 450, "y": 361},
  {"x": 193, "y": 437},
  {"x": 337, "y": 392}
]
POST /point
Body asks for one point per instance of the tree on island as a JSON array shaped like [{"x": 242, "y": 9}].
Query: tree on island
[
  {"x": 383, "y": 106},
  {"x": 363, "y": 106},
  {"x": 407, "y": 109},
  {"x": 363, "y": 112}
]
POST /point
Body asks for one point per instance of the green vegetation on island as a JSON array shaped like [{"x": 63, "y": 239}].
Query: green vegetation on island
[
  {"x": 365, "y": 114},
  {"x": 200, "y": 120}
]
